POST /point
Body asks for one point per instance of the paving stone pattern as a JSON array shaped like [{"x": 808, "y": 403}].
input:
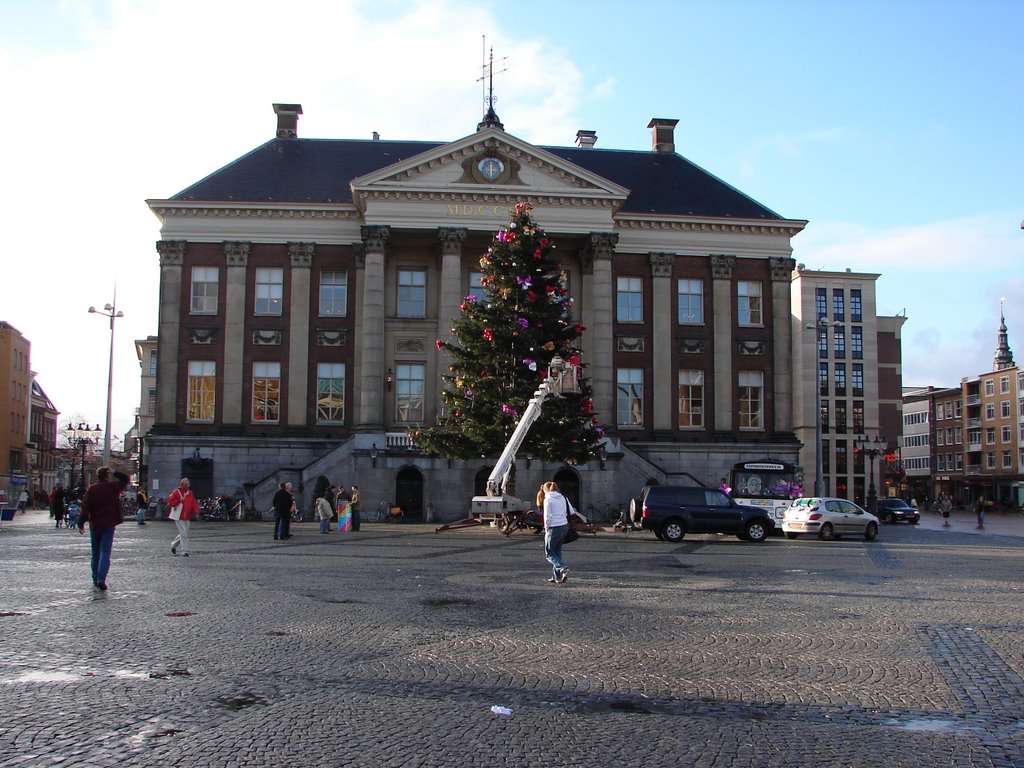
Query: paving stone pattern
[{"x": 388, "y": 648}]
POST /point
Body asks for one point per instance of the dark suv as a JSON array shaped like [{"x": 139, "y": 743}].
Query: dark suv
[{"x": 672, "y": 511}]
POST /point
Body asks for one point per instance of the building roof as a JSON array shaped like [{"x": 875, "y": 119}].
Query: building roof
[{"x": 291, "y": 170}]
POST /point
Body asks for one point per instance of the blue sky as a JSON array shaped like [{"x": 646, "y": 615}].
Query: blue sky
[{"x": 895, "y": 128}]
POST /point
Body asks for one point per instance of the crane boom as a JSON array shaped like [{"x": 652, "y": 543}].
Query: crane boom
[{"x": 561, "y": 378}]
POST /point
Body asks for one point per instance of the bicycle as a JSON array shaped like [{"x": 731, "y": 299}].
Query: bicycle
[{"x": 383, "y": 513}]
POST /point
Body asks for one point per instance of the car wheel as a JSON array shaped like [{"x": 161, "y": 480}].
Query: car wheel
[
  {"x": 891, "y": 519},
  {"x": 790, "y": 535},
  {"x": 673, "y": 531},
  {"x": 870, "y": 532},
  {"x": 827, "y": 532},
  {"x": 756, "y": 531},
  {"x": 915, "y": 522},
  {"x": 658, "y": 536}
]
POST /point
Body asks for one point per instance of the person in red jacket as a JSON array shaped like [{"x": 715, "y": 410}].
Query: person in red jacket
[
  {"x": 101, "y": 507},
  {"x": 182, "y": 496}
]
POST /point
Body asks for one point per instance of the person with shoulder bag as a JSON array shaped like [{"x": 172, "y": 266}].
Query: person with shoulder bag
[
  {"x": 184, "y": 507},
  {"x": 556, "y": 526}
]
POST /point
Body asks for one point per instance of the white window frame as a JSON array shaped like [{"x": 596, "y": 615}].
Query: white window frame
[
  {"x": 411, "y": 297},
  {"x": 749, "y": 308},
  {"x": 266, "y": 393},
  {"x": 629, "y": 300},
  {"x": 410, "y": 385},
  {"x": 330, "y": 393},
  {"x": 201, "y": 388},
  {"x": 629, "y": 397},
  {"x": 750, "y": 405},
  {"x": 691, "y": 399},
  {"x": 204, "y": 291},
  {"x": 691, "y": 301},
  {"x": 333, "y": 293},
  {"x": 269, "y": 295}
]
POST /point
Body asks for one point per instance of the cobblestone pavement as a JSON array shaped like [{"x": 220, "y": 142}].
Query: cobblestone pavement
[{"x": 388, "y": 648}]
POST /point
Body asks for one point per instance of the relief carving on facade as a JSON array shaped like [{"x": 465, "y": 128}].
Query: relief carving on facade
[
  {"x": 331, "y": 338},
  {"x": 661, "y": 263},
  {"x": 237, "y": 253},
  {"x": 602, "y": 247},
  {"x": 629, "y": 344},
  {"x": 359, "y": 254},
  {"x": 375, "y": 237},
  {"x": 781, "y": 268},
  {"x": 202, "y": 335},
  {"x": 722, "y": 266},
  {"x": 267, "y": 338},
  {"x": 691, "y": 346},
  {"x": 172, "y": 252},
  {"x": 451, "y": 239},
  {"x": 410, "y": 344},
  {"x": 747, "y": 348},
  {"x": 301, "y": 254}
]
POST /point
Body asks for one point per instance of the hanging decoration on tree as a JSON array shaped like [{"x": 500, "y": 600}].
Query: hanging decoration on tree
[{"x": 500, "y": 349}]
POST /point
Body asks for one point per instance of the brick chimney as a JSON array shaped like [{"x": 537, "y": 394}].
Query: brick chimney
[
  {"x": 287, "y": 120},
  {"x": 586, "y": 139},
  {"x": 663, "y": 134}
]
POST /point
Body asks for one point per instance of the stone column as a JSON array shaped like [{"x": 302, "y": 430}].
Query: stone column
[
  {"x": 371, "y": 330},
  {"x": 237, "y": 257},
  {"x": 451, "y": 240},
  {"x": 722, "y": 313},
  {"x": 781, "y": 270},
  {"x": 664, "y": 381},
  {"x": 598, "y": 263},
  {"x": 301, "y": 255},
  {"x": 172, "y": 257}
]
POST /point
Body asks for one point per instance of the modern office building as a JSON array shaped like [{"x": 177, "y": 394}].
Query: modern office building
[
  {"x": 854, "y": 356},
  {"x": 303, "y": 286}
]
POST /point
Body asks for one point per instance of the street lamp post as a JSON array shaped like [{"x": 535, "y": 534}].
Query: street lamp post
[
  {"x": 80, "y": 437},
  {"x": 871, "y": 450},
  {"x": 111, "y": 311}
]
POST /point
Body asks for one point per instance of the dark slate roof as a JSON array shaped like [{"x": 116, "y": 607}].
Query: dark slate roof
[{"x": 319, "y": 171}]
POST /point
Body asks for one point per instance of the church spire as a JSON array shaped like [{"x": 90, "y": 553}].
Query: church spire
[
  {"x": 490, "y": 116},
  {"x": 1004, "y": 357}
]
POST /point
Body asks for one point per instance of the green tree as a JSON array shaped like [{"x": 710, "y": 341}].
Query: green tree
[{"x": 501, "y": 346}]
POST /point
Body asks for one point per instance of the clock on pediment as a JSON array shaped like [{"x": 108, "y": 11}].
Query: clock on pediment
[{"x": 490, "y": 168}]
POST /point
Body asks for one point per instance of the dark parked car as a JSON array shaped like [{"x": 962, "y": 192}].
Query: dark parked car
[
  {"x": 672, "y": 511},
  {"x": 896, "y": 510}
]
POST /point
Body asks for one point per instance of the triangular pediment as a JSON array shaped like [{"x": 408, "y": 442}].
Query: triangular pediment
[{"x": 488, "y": 166}]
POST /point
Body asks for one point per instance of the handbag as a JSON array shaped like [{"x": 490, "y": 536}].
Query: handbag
[
  {"x": 570, "y": 535},
  {"x": 175, "y": 513}
]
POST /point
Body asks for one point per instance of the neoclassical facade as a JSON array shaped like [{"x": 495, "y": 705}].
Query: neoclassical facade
[{"x": 303, "y": 287}]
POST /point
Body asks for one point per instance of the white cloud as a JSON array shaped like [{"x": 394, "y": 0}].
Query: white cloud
[{"x": 947, "y": 276}]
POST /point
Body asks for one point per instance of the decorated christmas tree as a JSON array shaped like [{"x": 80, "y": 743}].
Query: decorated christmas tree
[{"x": 499, "y": 352}]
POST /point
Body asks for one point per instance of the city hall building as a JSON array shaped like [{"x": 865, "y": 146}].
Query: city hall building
[{"x": 303, "y": 287}]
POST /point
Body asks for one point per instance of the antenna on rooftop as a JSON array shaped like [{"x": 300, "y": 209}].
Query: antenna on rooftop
[{"x": 487, "y": 87}]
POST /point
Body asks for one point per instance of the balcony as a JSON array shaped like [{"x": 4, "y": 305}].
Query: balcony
[
  {"x": 974, "y": 423},
  {"x": 974, "y": 447},
  {"x": 972, "y": 469},
  {"x": 974, "y": 400}
]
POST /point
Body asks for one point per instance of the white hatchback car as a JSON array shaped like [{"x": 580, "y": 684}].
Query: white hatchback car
[{"x": 828, "y": 518}]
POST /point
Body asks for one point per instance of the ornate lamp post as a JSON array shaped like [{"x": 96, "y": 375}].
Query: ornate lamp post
[
  {"x": 871, "y": 450},
  {"x": 80, "y": 437},
  {"x": 111, "y": 311}
]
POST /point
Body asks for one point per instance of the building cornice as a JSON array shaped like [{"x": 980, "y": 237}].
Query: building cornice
[
  {"x": 784, "y": 227},
  {"x": 172, "y": 208}
]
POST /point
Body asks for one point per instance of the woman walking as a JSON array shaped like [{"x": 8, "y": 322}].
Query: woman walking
[{"x": 556, "y": 525}]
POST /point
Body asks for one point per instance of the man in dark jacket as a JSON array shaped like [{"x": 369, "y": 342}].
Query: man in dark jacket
[
  {"x": 101, "y": 507},
  {"x": 284, "y": 503}
]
